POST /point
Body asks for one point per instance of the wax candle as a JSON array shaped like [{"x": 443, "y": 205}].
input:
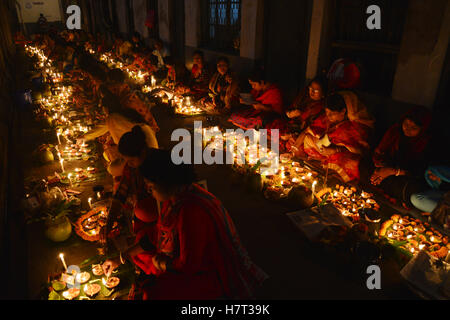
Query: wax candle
[
  {"x": 314, "y": 187},
  {"x": 90, "y": 202},
  {"x": 61, "y": 256},
  {"x": 61, "y": 161}
]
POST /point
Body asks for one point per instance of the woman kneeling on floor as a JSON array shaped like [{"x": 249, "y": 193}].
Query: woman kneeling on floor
[
  {"x": 339, "y": 137},
  {"x": 195, "y": 252}
]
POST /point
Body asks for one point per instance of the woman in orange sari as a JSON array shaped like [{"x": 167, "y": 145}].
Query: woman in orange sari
[{"x": 339, "y": 137}]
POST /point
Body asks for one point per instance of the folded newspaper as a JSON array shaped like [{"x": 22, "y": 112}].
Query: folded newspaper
[
  {"x": 314, "y": 220},
  {"x": 429, "y": 275}
]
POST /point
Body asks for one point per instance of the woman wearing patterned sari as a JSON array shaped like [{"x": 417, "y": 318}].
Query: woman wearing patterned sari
[
  {"x": 223, "y": 89},
  {"x": 195, "y": 252},
  {"x": 339, "y": 137}
]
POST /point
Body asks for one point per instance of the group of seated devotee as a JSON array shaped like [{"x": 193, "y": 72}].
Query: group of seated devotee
[
  {"x": 182, "y": 238},
  {"x": 327, "y": 122},
  {"x": 193, "y": 234}
]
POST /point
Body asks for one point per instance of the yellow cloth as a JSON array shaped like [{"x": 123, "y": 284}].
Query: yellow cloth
[{"x": 117, "y": 126}]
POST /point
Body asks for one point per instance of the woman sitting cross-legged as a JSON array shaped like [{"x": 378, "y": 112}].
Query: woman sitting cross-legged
[
  {"x": 195, "y": 252},
  {"x": 223, "y": 89},
  {"x": 338, "y": 138},
  {"x": 197, "y": 84},
  {"x": 403, "y": 155},
  {"x": 177, "y": 75},
  {"x": 307, "y": 106},
  {"x": 309, "y": 103},
  {"x": 266, "y": 107}
]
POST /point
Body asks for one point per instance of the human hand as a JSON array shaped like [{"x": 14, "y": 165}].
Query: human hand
[
  {"x": 160, "y": 261},
  {"x": 110, "y": 265},
  {"x": 293, "y": 114},
  {"x": 380, "y": 174},
  {"x": 259, "y": 106}
]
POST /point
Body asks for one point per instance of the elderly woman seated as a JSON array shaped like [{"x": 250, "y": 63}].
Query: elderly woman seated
[
  {"x": 338, "y": 138},
  {"x": 223, "y": 92}
]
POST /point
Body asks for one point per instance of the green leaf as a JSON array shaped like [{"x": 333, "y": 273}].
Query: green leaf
[
  {"x": 322, "y": 203},
  {"x": 256, "y": 166},
  {"x": 105, "y": 291}
]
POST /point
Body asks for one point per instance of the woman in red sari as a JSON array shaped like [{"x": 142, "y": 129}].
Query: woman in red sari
[
  {"x": 307, "y": 106},
  {"x": 339, "y": 137},
  {"x": 195, "y": 252},
  {"x": 403, "y": 155},
  {"x": 267, "y": 108},
  {"x": 309, "y": 103}
]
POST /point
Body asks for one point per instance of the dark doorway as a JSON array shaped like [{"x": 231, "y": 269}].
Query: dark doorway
[
  {"x": 177, "y": 29},
  {"x": 286, "y": 33}
]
